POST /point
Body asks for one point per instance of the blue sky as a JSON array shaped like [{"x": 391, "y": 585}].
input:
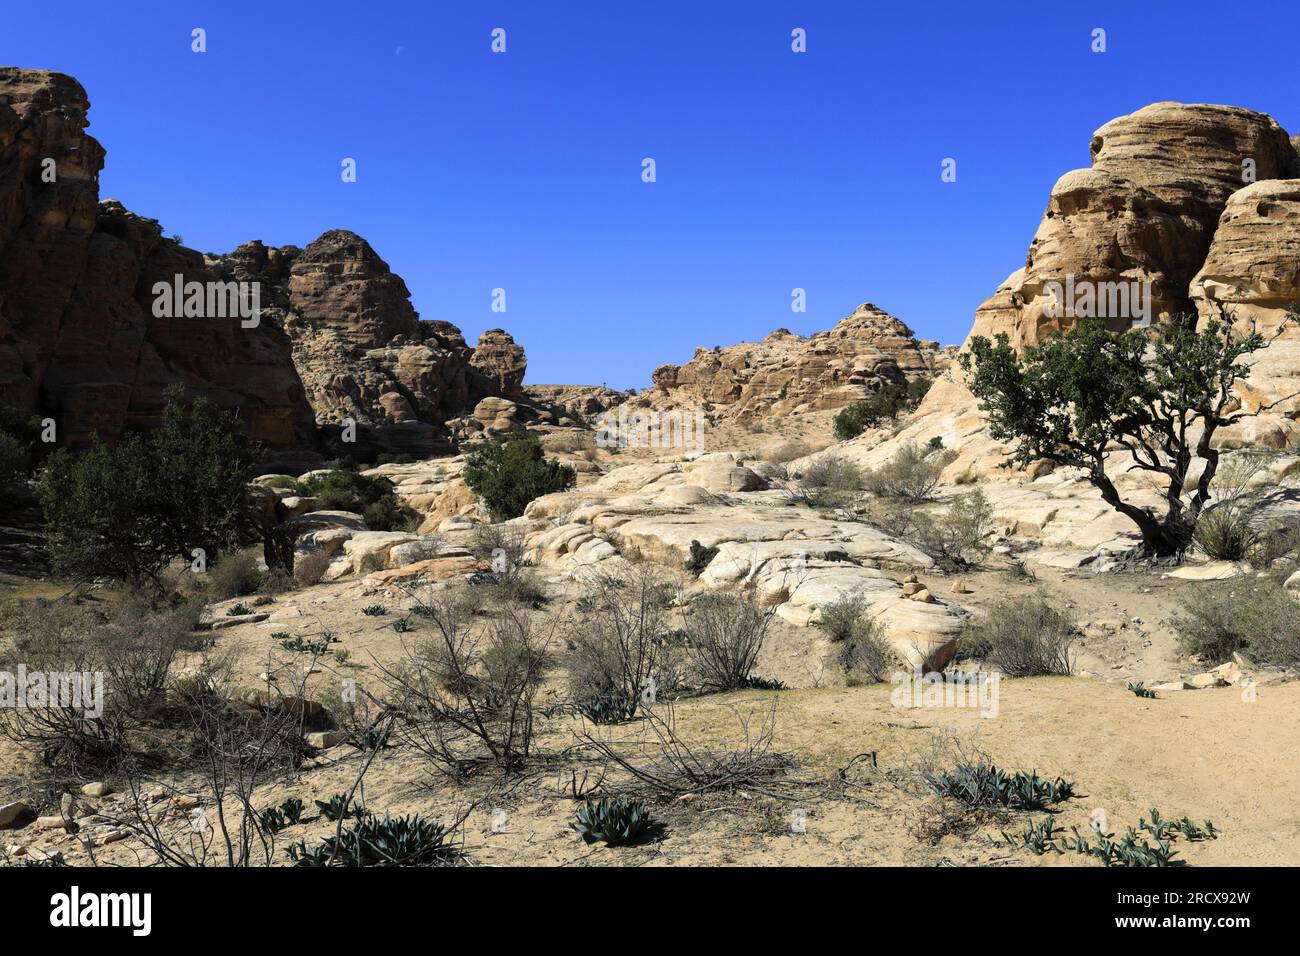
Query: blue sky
[{"x": 522, "y": 170}]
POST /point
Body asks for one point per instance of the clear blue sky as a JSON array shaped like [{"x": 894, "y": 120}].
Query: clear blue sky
[{"x": 523, "y": 171}]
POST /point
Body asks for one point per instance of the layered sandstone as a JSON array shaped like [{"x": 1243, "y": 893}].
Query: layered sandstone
[
  {"x": 787, "y": 373},
  {"x": 78, "y": 338}
]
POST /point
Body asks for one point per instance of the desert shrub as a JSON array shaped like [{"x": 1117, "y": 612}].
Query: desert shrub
[
  {"x": 125, "y": 511},
  {"x": 370, "y": 841},
  {"x": 1023, "y": 637},
  {"x": 912, "y": 474},
  {"x": 833, "y": 473},
  {"x": 235, "y": 574},
  {"x": 843, "y": 617},
  {"x": 620, "y": 637},
  {"x": 508, "y": 474},
  {"x": 614, "y": 822},
  {"x": 125, "y": 651},
  {"x": 308, "y": 569},
  {"x": 700, "y": 557},
  {"x": 865, "y": 655},
  {"x": 1256, "y": 617},
  {"x": 959, "y": 535},
  {"x": 886, "y": 403},
  {"x": 1277, "y": 544},
  {"x": 371, "y": 497},
  {"x": 726, "y": 632},
  {"x": 787, "y": 451},
  {"x": 467, "y": 695}
]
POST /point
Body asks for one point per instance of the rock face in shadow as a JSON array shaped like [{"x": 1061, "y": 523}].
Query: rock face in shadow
[
  {"x": 787, "y": 372},
  {"x": 82, "y": 341},
  {"x": 79, "y": 340}
]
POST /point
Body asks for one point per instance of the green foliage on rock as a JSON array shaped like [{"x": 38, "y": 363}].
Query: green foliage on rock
[{"x": 508, "y": 474}]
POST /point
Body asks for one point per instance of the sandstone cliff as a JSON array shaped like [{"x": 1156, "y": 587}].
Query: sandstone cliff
[
  {"x": 1171, "y": 200},
  {"x": 336, "y": 337},
  {"x": 78, "y": 338}
]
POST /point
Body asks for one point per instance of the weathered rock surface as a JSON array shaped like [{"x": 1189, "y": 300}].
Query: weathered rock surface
[
  {"x": 787, "y": 372},
  {"x": 78, "y": 338}
]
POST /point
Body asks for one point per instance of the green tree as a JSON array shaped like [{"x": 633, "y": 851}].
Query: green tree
[
  {"x": 508, "y": 474},
  {"x": 372, "y": 498},
  {"x": 1159, "y": 394},
  {"x": 124, "y": 511}
]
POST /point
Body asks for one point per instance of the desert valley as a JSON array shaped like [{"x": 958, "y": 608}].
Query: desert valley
[{"x": 354, "y": 590}]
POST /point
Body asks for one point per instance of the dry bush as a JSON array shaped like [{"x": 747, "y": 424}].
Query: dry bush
[
  {"x": 620, "y": 634},
  {"x": 467, "y": 696},
  {"x": 570, "y": 442},
  {"x": 725, "y": 632},
  {"x": 959, "y": 535},
  {"x": 235, "y": 574},
  {"x": 1023, "y": 637},
  {"x": 228, "y": 752},
  {"x": 663, "y": 764},
  {"x": 126, "y": 651},
  {"x": 832, "y": 472},
  {"x": 308, "y": 569},
  {"x": 1254, "y": 616},
  {"x": 866, "y": 656},
  {"x": 787, "y": 451},
  {"x": 912, "y": 474}
]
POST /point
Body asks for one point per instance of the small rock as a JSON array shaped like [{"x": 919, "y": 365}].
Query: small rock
[
  {"x": 1207, "y": 680},
  {"x": 97, "y": 790},
  {"x": 325, "y": 739},
  {"x": 959, "y": 587},
  {"x": 1173, "y": 685},
  {"x": 910, "y": 588},
  {"x": 14, "y": 815},
  {"x": 50, "y": 823},
  {"x": 910, "y": 579},
  {"x": 924, "y": 596}
]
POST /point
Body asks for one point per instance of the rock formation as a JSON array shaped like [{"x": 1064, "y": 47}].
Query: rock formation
[
  {"x": 787, "y": 372},
  {"x": 79, "y": 341},
  {"x": 1171, "y": 200}
]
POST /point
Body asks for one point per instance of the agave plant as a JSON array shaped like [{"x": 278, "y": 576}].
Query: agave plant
[
  {"x": 615, "y": 822},
  {"x": 983, "y": 784},
  {"x": 392, "y": 841}
]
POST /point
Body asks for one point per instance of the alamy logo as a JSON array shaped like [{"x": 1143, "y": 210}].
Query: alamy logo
[
  {"x": 56, "y": 690},
  {"x": 976, "y": 690},
  {"x": 676, "y": 429},
  {"x": 1085, "y": 299},
  {"x": 208, "y": 300},
  {"x": 74, "y": 909}
]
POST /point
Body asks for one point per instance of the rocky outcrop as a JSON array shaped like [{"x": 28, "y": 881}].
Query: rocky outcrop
[
  {"x": 787, "y": 373},
  {"x": 336, "y": 337},
  {"x": 1252, "y": 273},
  {"x": 1169, "y": 201},
  {"x": 1132, "y": 231},
  {"x": 79, "y": 338}
]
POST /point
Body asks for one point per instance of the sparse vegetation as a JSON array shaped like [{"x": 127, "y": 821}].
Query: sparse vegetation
[
  {"x": 508, "y": 474},
  {"x": 912, "y": 474},
  {"x": 1024, "y": 637},
  {"x": 891, "y": 400},
  {"x": 1252, "y": 616}
]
